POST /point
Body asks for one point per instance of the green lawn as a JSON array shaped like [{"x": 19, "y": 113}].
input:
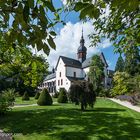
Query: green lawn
[
  {"x": 18, "y": 101},
  {"x": 66, "y": 122}
]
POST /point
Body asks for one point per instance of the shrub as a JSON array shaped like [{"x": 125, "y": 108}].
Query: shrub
[
  {"x": 37, "y": 95},
  {"x": 44, "y": 98},
  {"x": 9, "y": 94},
  {"x": 104, "y": 93},
  {"x": 7, "y": 98},
  {"x": 25, "y": 97},
  {"x": 121, "y": 84},
  {"x": 3, "y": 105},
  {"x": 62, "y": 98}
]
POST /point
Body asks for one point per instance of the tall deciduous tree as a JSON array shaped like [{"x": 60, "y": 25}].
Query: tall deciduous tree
[
  {"x": 96, "y": 72},
  {"x": 120, "y": 64},
  {"x": 19, "y": 67}
]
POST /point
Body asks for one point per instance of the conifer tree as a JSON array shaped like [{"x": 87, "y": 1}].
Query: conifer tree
[{"x": 120, "y": 64}]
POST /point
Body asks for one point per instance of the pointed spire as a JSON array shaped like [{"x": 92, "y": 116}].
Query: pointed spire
[
  {"x": 82, "y": 32},
  {"x": 82, "y": 38},
  {"x": 82, "y": 50}
]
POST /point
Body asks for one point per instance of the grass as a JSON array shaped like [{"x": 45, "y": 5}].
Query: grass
[
  {"x": 108, "y": 121},
  {"x": 18, "y": 101}
]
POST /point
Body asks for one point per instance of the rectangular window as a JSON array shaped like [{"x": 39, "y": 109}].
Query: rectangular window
[
  {"x": 74, "y": 74},
  {"x": 60, "y": 74},
  {"x": 58, "y": 82},
  {"x": 61, "y": 81}
]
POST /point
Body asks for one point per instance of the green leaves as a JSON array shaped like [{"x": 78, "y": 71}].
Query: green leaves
[
  {"x": 51, "y": 42},
  {"x": 96, "y": 72},
  {"x": 21, "y": 66},
  {"x": 49, "y": 5},
  {"x": 26, "y": 11},
  {"x": 79, "y": 6},
  {"x": 53, "y": 33},
  {"x": 87, "y": 10},
  {"x": 117, "y": 20},
  {"x": 30, "y": 22}
]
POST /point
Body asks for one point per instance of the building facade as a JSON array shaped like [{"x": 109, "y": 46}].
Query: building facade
[{"x": 68, "y": 70}]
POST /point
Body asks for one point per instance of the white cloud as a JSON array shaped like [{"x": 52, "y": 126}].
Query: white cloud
[
  {"x": 68, "y": 41},
  {"x": 105, "y": 44},
  {"x": 64, "y": 2}
]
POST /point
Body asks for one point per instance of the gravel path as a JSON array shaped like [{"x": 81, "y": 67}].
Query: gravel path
[
  {"x": 22, "y": 105},
  {"x": 5, "y": 136},
  {"x": 126, "y": 104}
]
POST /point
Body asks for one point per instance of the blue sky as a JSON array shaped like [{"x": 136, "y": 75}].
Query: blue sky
[{"x": 67, "y": 40}]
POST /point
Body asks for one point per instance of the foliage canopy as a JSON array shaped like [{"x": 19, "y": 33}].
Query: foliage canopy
[
  {"x": 19, "y": 67},
  {"x": 118, "y": 20},
  {"x": 29, "y": 22}
]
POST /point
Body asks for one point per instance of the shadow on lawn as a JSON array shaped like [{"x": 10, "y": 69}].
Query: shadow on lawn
[{"x": 102, "y": 123}]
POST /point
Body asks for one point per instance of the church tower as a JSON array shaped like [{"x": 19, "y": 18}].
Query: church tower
[{"x": 82, "y": 50}]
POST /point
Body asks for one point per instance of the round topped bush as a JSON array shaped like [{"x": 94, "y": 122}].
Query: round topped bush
[{"x": 44, "y": 98}]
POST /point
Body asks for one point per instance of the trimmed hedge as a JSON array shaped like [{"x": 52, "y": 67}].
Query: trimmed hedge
[
  {"x": 37, "y": 95},
  {"x": 25, "y": 97},
  {"x": 62, "y": 98},
  {"x": 44, "y": 98}
]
